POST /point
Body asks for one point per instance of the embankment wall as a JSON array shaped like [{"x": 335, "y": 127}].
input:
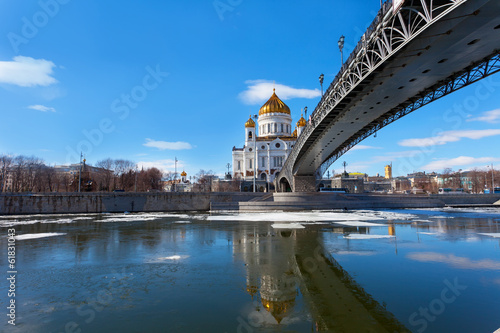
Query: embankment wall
[{"x": 19, "y": 204}]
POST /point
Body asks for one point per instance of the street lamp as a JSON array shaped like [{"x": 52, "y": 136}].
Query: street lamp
[
  {"x": 305, "y": 111},
  {"x": 175, "y": 174},
  {"x": 321, "y": 78},
  {"x": 254, "y": 153},
  {"x": 80, "y": 173},
  {"x": 492, "y": 180},
  {"x": 341, "y": 47}
]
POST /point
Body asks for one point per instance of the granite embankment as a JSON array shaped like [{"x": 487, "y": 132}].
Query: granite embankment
[
  {"x": 67, "y": 203},
  {"x": 325, "y": 200}
]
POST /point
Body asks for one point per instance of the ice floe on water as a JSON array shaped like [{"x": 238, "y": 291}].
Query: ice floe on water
[
  {"x": 491, "y": 234},
  {"x": 172, "y": 258},
  {"x": 314, "y": 216},
  {"x": 365, "y": 236},
  {"x": 360, "y": 224},
  {"x": 385, "y": 215},
  {"x": 12, "y": 223},
  {"x": 39, "y": 235},
  {"x": 427, "y": 233},
  {"x": 288, "y": 226},
  {"x": 128, "y": 218},
  {"x": 182, "y": 222}
]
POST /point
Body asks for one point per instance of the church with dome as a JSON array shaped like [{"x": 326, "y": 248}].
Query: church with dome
[{"x": 267, "y": 144}]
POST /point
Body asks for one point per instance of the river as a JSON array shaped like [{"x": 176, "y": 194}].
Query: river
[{"x": 426, "y": 270}]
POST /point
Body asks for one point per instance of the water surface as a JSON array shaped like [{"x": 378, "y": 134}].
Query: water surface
[{"x": 370, "y": 271}]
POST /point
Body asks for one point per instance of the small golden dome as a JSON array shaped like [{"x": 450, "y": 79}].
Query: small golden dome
[
  {"x": 250, "y": 122},
  {"x": 274, "y": 105},
  {"x": 184, "y": 174},
  {"x": 294, "y": 134},
  {"x": 301, "y": 122}
]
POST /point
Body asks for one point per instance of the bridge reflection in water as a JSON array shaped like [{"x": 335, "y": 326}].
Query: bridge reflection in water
[{"x": 283, "y": 264}]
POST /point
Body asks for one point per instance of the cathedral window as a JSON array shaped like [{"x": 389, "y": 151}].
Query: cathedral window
[
  {"x": 275, "y": 127},
  {"x": 250, "y": 135},
  {"x": 277, "y": 161},
  {"x": 239, "y": 165},
  {"x": 282, "y": 128}
]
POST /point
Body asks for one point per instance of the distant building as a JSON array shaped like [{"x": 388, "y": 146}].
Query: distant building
[
  {"x": 400, "y": 184},
  {"x": 388, "y": 171},
  {"x": 178, "y": 185},
  {"x": 352, "y": 184}
]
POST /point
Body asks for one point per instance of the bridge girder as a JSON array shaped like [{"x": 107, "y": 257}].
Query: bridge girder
[{"x": 395, "y": 46}]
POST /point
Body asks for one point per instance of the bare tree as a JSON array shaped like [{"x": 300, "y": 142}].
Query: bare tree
[
  {"x": 122, "y": 167},
  {"x": 204, "y": 183},
  {"x": 106, "y": 177},
  {"x": 5, "y": 164}
]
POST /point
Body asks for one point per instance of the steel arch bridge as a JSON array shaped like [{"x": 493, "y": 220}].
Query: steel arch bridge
[{"x": 414, "y": 52}]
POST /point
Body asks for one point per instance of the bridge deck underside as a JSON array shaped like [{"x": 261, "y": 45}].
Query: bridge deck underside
[{"x": 468, "y": 34}]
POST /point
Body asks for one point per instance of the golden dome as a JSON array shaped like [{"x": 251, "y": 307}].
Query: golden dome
[
  {"x": 278, "y": 309},
  {"x": 274, "y": 105},
  {"x": 301, "y": 122},
  {"x": 294, "y": 134},
  {"x": 184, "y": 174},
  {"x": 250, "y": 122}
]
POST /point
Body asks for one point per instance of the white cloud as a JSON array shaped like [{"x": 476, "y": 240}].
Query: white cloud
[
  {"x": 42, "y": 108},
  {"x": 459, "y": 161},
  {"x": 491, "y": 117},
  {"x": 163, "y": 145},
  {"x": 164, "y": 165},
  {"x": 259, "y": 91},
  {"x": 364, "y": 147},
  {"x": 27, "y": 72},
  {"x": 449, "y": 136},
  {"x": 452, "y": 260}
]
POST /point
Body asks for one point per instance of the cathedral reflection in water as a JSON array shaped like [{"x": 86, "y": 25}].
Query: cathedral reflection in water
[{"x": 270, "y": 263}]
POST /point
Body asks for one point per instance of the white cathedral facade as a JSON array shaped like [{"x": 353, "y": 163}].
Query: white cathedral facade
[{"x": 265, "y": 151}]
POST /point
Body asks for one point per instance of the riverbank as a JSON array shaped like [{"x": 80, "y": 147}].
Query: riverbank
[
  {"x": 71, "y": 203},
  {"x": 62, "y": 203}
]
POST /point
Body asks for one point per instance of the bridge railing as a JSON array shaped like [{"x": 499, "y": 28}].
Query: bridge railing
[
  {"x": 379, "y": 43},
  {"x": 361, "y": 45}
]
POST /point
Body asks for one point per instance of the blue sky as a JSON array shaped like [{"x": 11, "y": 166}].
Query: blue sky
[{"x": 153, "y": 80}]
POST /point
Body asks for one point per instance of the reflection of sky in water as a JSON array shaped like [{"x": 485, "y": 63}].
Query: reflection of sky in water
[{"x": 188, "y": 272}]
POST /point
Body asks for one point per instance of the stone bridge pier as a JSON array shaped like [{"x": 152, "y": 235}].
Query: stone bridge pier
[{"x": 304, "y": 183}]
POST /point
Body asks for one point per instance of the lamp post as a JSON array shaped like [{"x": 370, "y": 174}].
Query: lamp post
[
  {"x": 492, "y": 180},
  {"x": 175, "y": 174},
  {"x": 254, "y": 153},
  {"x": 80, "y": 173},
  {"x": 341, "y": 47},
  {"x": 321, "y": 78}
]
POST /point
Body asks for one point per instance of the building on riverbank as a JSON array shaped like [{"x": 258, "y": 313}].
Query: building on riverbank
[{"x": 266, "y": 149}]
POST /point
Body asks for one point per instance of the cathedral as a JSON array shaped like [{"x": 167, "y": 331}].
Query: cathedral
[{"x": 265, "y": 151}]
